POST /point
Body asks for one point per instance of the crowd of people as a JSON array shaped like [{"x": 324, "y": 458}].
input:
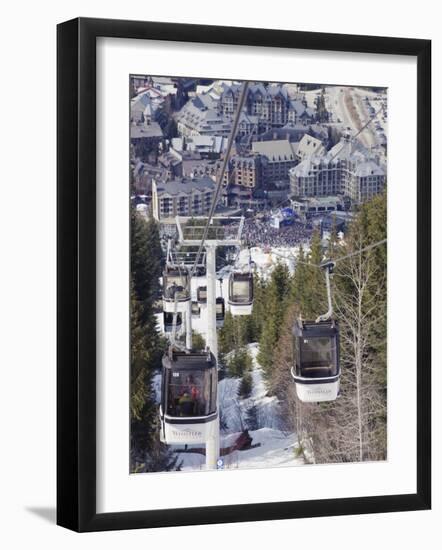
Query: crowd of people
[{"x": 261, "y": 233}]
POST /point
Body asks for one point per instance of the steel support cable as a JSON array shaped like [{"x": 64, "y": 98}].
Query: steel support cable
[
  {"x": 221, "y": 174},
  {"x": 339, "y": 259}
]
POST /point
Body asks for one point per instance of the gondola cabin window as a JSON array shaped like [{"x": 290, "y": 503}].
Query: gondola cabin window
[
  {"x": 241, "y": 288},
  {"x": 191, "y": 393},
  {"x": 168, "y": 321},
  {"x": 318, "y": 357},
  {"x": 171, "y": 283},
  {"x": 175, "y": 284},
  {"x": 241, "y": 291}
]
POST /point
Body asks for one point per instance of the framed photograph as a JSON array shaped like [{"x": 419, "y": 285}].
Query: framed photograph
[{"x": 243, "y": 274}]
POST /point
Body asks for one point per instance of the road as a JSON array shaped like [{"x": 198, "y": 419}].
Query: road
[{"x": 348, "y": 107}]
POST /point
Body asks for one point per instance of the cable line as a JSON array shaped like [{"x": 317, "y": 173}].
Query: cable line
[
  {"x": 221, "y": 174},
  {"x": 368, "y": 247}
]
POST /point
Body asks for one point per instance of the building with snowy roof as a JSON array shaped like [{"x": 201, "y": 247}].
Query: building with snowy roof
[
  {"x": 144, "y": 105},
  {"x": 271, "y": 104},
  {"x": 199, "y": 118},
  {"x": 347, "y": 169},
  {"x": 309, "y": 146},
  {"x": 294, "y": 133},
  {"x": 141, "y": 109}
]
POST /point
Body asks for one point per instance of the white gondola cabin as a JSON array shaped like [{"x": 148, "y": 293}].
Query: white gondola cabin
[
  {"x": 240, "y": 293},
  {"x": 176, "y": 286},
  {"x": 188, "y": 409},
  {"x": 316, "y": 370}
]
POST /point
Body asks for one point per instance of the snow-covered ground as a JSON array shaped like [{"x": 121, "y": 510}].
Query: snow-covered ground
[{"x": 234, "y": 409}]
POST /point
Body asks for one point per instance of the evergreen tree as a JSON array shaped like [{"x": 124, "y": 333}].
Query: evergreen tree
[
  {"x": 239, "y": 362},
  {"x": 146, "y": 344},
  {"x": 226, "y": 337},
  {"x": 140, "y": 375},
  {"x": 198, "y": 341},
  {"x": 252, "y": 421},
  {"x": 277, "y": 299},
  {"x": 259, "y": 308},
  {"x": 245, "y": 386},
  {"x": 158, "y": 458},
  {"x": 145, "y": 261}
]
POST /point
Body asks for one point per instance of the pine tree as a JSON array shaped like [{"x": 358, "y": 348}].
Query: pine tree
[
  {"x": 259, "y": 308},
  {"x": 252, "y": 420},
  {"x": 226, "y": 338},
  {"x": 140, "y": 374},
  {"x": 198, "y": 341},
  {"x": 245, "y": 386},
  {"x": 158, "y": 458},
  {"x": 276, "y": 300},
  {"x": 145, "y": 261},
  {"x": 146, "y": 344},
  {"x": 239, "y": 362}
]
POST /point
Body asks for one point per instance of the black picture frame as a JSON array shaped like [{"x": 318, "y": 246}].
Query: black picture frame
[{"x": 76, "y": 274}]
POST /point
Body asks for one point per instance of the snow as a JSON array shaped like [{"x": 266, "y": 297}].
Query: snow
[{"x": 275, "y": 450}]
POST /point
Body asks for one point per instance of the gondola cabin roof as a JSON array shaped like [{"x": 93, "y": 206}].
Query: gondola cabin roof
[
  {"x": 180, "y": 360},
  {"x": 170, "y": 271},
  {"x": 240, "y": 276},
  {"x": 311, "y": 329}
]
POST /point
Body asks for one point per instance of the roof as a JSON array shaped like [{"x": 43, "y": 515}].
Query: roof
[
  {"x": 208, "y": 143},
  {"x": 309, "y": 146},
  {"x": 139, "y": 131},
  {"x": 348, "y": 150},
  {"x": 244, "y": 160},
  {"x": 369, "y": 168},
  {"x": 364, "y": 165},
  {"x": 197, "y": 116},
  {"x": 303, "y": 168},
  {"x": 298, "y": 106},
  {"x": 275, "y": 150},
  {"x": 185, "y": 185},
  {"x": 267, "y": 92}
]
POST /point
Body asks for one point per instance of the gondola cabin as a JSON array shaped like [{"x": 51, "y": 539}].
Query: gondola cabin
[
  {"x": 201, "y": 295},
  {"x": 240, "y": 293},
  {"x": 316, "y": 370},
  {"x": 176, "y": 286},
  {"x": 188, "y": 409},
  {"x": 168, "y": 321},
  {"x": 220, "y": 311}
]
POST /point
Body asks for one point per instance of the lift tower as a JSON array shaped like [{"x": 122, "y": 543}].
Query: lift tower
[{"x": 223, "y": 231}]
